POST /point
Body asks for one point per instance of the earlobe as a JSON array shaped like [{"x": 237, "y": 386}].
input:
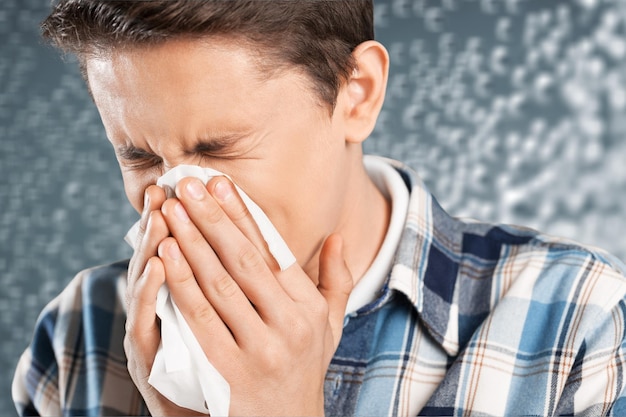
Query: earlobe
[{"x": 365, "y": 90}]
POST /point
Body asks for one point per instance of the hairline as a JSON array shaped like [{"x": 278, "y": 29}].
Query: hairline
[{"x": 258, "y": 52}]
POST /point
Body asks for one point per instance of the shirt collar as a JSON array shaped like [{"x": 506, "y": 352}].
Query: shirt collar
[
  {"x": 390, "y": 183},
  {"x": 426, "y": 263}
]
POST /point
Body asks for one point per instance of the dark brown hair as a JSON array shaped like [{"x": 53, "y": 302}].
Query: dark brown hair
[{"x": 317, "y": 36}]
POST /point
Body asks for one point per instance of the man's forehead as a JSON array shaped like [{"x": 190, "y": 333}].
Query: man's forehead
[{"x": 250, "y": 60}]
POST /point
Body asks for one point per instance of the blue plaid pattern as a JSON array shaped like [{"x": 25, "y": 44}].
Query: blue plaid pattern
[{"x": 475, "y": 319}]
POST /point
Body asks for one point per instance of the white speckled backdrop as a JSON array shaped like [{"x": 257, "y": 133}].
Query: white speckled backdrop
[{"x": 511, "y": 110}]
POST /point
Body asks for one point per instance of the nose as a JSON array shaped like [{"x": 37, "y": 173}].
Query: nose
[
  {"x": 169, "y": 164},
  {"x": 174, "y": 175},
  {"x": 165, "y": 168}
]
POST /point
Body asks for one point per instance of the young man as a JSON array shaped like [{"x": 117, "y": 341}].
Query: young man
[{"x": 392, "y": 308}]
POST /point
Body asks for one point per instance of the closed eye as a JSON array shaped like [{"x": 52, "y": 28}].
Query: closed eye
[
  {"x": 210, "y": 147},
  {"x": 218, "y": 146},
  {"x": 137, "y": 158}
]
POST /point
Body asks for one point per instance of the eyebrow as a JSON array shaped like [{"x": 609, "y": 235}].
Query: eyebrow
[
  {"x": 133, "y": 153},
  {"x": 215, "y": 144}
]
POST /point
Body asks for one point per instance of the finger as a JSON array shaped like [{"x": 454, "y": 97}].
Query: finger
[
  {"x": 153, "y": 199},
  {"x": 240, "y": 258},
  {"x": 142, "y": 331},
  {"x": 335, "y": 283},
  {"x": 242, "y": 321},
  {"x": 156, "y": 231},
  {"x": 143, "y": 335},
  {"x": 233, "y": 205},
  {"x": 223, "y": 190}
]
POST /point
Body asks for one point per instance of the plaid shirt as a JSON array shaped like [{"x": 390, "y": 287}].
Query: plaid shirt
[{"x": 474, "y": 319}]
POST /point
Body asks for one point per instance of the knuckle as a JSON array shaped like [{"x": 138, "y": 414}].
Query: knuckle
[
  {"x": 203, "y": 314},
  {"x": 320, "y": 308},
  {"x": 249, "y": 259},
  {"x": 195, "y": 240},
  {"x": 225, "y": 286},
  {"x": 128, "y": 343},
  {"x": 128, "y": 350},
  {"x": 130, "y": 329},
  {"x": 152, "y": 217},
  {"x": 271, "y": 356},
  {"x": 144, "y": 297},
  {"x": 185, "y": 278},
  {"x": 133, "y": 276},
  {"x": 238, "y": 212},
  {"x": 301, "y": 334},
  {"x": 214, "y": 214},
  {"x": 156, "y": 222},
  {"x": 274, "y": 361}
]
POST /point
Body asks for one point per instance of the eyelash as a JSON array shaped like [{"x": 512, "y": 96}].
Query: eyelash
[
  {"x": 143, "y": 163},
  {"x": 154, "y": 162},
  {"x": 205, "y": 157}
]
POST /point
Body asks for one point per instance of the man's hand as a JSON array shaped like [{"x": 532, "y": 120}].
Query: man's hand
[
  {"x": 145, "y": 276},
  {"x": 270, "y": 333}
]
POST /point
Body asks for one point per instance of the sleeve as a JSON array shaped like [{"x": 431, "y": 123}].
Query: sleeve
[
  {"x": 618, "y": 407},
  {"x": 596, "y": 382}
]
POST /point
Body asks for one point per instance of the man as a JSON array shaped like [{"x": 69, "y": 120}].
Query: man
[{"x": 392, "y": 308}]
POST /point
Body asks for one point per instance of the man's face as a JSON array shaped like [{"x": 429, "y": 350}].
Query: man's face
[{"x": 207, "y": 103}]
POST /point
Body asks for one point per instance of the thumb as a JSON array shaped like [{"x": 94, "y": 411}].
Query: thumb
[{"x": 335, "y": 283}]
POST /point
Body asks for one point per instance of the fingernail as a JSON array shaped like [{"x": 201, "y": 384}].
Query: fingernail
[
  {"x": 223, "y": 190},
  {"x": 195, "y": 190},
  {"x": 181, "y": 213},
  {"x": 174, "y": 251}
]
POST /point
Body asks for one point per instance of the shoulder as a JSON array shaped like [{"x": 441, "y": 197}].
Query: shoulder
[
  {"x": 528, "y": 315},
  {"x": 88, "y": 314},
  {"x": 85, "y": 320},
  {"x": 547, "y": 317},
  {"x": 96, "y": 290},
  {"x": 531, "y": 269},
  {"x": 469, "y": 267},
  {"x": 541, "y": 266},
  {"x": 100, "y": 289},
  {"x": 98, "y": 284},
  {"x": 540, "y": 293},
  {"x": 467, "y": 240}
]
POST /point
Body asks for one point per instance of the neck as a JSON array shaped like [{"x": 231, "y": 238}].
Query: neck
[{"x": 363, "y": 224}]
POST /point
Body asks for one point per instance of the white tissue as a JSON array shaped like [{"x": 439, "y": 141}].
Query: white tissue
[
  {"x": 276, "y": 245},
  {"x": 181, "y": 371}
]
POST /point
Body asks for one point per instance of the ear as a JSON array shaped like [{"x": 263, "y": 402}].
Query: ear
[{"x": 363, "y": 93}]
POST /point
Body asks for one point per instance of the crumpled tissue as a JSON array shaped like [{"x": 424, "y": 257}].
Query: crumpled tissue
[{"x": 181, "y": 371}]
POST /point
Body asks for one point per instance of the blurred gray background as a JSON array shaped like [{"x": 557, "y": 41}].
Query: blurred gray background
[{"x": 511, "y": 110}]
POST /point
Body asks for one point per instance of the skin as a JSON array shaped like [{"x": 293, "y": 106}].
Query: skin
[{"x": 206, "y": 102}]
